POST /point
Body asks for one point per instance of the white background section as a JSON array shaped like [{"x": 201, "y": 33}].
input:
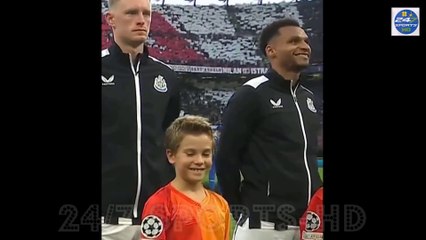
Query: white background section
[{"x": 395, "y": 11}]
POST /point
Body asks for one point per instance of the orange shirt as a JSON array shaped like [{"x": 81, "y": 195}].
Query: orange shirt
[{"x": 170, "y": 215}]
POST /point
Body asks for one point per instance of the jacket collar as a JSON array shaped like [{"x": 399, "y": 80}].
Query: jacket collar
[
  {"x": 280, "y": 81},
  {"x": 124, "y": 57}
]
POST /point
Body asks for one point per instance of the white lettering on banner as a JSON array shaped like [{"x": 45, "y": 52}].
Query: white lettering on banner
[
  {"x": 226, "y": 70},
  {"x": 246, "y": 70}
]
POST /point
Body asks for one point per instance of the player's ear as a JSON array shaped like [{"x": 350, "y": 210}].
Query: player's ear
[
  {"x": 109, "y": 17},
  {"x": 270, "y": 51},
  {"x": 170, "y": 156}
]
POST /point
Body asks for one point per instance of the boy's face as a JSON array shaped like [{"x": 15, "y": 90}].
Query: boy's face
[{"x": 193, "y": 158}]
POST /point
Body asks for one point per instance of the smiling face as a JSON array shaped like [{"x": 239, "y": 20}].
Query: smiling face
[
  {"x": 189, "y": 147},
  {"x": 290, "y": 48},
  {"x": 193, "y": 158}
]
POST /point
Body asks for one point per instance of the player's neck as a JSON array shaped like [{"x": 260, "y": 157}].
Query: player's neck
[
  {"x": 132, "y": 50},
  {"x": 288, "y": 75},
  {"x": 194, "y": 191}
]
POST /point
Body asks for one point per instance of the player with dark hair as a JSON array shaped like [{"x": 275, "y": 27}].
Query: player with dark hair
[{"x": 269, "y": 138}]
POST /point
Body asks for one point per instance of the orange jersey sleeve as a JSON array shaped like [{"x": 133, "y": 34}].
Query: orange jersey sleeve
[{"x": 156, "y": 216}]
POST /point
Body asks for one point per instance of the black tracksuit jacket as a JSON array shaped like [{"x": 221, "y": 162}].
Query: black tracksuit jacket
[
  {"x": 139, "y": 101},
  {"x": 269, "y": 135}
]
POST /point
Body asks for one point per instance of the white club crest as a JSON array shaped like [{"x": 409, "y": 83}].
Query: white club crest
[
  {"x": 311, "y": 105},
  {"x": 160, "y": 84}
]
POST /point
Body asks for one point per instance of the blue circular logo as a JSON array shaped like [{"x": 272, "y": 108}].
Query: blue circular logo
[{"x": 406, "y": 21}]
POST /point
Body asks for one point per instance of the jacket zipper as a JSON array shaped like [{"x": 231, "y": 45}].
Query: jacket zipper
[
  {"x": 139, "y": 133},
  {"x": 293, "y": 93}
]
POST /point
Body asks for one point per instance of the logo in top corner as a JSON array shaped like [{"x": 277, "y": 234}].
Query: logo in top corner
[
  {"x": 405, "y": 22},
  {"x": 160, "y": 84}
]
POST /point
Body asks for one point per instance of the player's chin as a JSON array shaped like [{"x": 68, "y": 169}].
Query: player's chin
[
  {"x": 197, "y": 177},
  {"x": 140, "y": 38},
  {"x": 301, "y": 66},
  {"x": 302, "y": 62}
]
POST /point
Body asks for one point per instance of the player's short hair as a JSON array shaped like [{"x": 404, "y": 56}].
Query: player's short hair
[
  {"x": 111, "y": 3},
  {"x": 182, "y": 126},
  {"x": 272, "y": 30}
]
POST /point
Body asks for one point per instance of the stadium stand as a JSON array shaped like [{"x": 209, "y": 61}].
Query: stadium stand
[{"x": 221, "y": 36}]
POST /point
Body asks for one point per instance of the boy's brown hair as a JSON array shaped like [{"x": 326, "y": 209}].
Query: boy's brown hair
[{"x": 188, "y": 124}]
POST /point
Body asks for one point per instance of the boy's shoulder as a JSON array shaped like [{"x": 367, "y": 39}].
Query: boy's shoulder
[
  {"x": 218, "y": 198},
  {"x": 161, "y": 195}
]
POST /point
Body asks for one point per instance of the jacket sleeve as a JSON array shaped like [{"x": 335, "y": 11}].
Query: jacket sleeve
[
  {"x": 238, "y": 122},
  {"x": 174, "y": 106}
]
